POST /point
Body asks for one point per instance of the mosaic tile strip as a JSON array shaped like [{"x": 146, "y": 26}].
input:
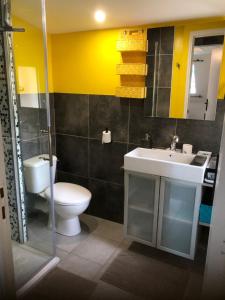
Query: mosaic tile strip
[
  {"x": 18, "y": 156},
  {"x": 7, "y": 105},
  {"x": 7, "y": 144}
]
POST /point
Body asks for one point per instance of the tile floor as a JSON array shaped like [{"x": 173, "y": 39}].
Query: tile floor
[
  {"x": 27, "y": 261},
  {"x": 95, "y": 265}
]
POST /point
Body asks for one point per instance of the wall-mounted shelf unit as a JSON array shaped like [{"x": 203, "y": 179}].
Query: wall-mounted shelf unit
[
  {"x": 133, "y": 46},
  {"x": 131, "y": 92},
  {"x": 132, "y": 69}
]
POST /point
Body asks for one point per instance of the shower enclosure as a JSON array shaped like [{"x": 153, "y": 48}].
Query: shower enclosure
[{"x": 25, "y": 114}]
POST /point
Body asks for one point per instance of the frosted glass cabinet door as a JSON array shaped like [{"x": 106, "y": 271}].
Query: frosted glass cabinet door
[
  {"x": 178, "y": 217},
  {"x": 141, "y": 207}
]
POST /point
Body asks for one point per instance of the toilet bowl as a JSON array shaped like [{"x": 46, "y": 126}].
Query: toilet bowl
[{"x": 70, "y": 200}]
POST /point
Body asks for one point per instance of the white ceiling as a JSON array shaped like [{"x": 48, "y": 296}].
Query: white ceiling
[{"x": 78, "y": 15}]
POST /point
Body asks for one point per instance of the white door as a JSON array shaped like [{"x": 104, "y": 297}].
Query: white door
[
  {"x": 178, "y": 217},
  {"x": 7, "y": 287},
  {"x": 214, "y": 281},
  {"x": 199, "y": 85},
  {"x": 141, "y": 207}
]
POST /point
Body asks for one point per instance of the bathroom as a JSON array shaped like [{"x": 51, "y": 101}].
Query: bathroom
[{"x": 84, "y": 209}]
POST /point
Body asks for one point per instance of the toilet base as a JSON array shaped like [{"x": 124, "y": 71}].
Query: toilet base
[{"x": 68, "y": 227}]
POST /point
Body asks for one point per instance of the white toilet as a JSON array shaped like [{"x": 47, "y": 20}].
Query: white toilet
[{"x": 70, "y": 199}]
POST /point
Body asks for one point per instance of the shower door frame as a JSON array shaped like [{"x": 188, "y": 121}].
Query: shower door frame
[
  {"x": 16, "y": 141},
  {"x": 7, "y": 288}
]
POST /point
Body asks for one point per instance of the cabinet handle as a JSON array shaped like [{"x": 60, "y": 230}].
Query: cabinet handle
[
  {"x": 3, "y": 212},
  {"x": 2, "y": 192}
]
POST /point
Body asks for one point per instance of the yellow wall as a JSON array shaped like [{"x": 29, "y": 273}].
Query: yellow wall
[
  {"x": 29, "y": 59},
  {"x": 85, "y": 62},
  {"x": 179, "y": 77}
]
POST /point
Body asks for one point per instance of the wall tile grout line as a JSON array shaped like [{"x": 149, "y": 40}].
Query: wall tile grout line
[
  {"x": 176, "y": 124},
  {"x": 88, "y": 138},
  {"x": 128, "y": 127},
  {"x": 89, "y": 153},
  {"x": 162, "y": 54},
  {"x": 72, "y": 135},
  {"x": 91, "y": 178}
]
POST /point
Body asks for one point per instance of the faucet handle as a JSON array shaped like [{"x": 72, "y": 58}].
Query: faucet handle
[
  {"x": 147, "y": 140},
  {"x": 175, "y": 138},
  {"x": 147, "y": 136}
]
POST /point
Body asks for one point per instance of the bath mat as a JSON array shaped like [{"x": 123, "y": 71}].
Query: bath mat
[{"x": 149, "y": 273}]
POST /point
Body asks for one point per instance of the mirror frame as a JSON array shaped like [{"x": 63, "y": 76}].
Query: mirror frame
[{"x": 193, "y": 35}]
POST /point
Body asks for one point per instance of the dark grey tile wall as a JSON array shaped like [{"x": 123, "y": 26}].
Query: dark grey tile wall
[
  {"x": 32, "y": 121},
  {"x": 72, "y": 152},
  {"x": 73, "y": 111},
  {"x": 84, "y": 160},
  {"x": 108, "y": 112},
  {"x": 161, "y": 64}
]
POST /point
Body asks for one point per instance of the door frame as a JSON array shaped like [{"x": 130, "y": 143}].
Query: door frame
[
  {"x": 214, "y": 276},
  {"x": 7, "y": 288},
  {"x": 195, "y": 216},
  {"x": 192, "y": 36}
]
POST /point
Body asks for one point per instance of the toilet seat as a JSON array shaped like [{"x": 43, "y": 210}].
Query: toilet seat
[{"x": 69, "y": 194}]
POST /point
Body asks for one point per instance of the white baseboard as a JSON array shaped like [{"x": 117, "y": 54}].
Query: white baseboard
[{"x": 34, "y": 280}]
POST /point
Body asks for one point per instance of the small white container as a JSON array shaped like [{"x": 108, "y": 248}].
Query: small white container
[{"x": 187, "y": 149}]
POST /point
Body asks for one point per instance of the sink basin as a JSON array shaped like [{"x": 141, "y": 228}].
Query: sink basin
[{"x": 165, "y": 163}]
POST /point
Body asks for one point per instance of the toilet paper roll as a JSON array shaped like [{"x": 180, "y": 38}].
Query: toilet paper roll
[
  {"x": 106, "y": 137},
  {"x": 187, "y": 148}
]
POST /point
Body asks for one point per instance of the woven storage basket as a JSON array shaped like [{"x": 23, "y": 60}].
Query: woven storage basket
[
  {"x": 131, "y": 92},
  {"x": 133, "y": 34},
  {"x": 132, "y": 69},
  {"x": 132, "y": 45}
]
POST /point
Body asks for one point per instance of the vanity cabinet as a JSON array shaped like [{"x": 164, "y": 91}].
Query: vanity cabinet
[
  {"x": 141, "y": 213},
  {"x": 162, "y": 212}
]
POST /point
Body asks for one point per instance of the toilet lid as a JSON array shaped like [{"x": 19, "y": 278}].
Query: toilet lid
[{"x": 69, "y": 193}]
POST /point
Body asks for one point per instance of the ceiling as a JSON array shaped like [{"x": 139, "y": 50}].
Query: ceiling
[{"x": 78, "y": 15}]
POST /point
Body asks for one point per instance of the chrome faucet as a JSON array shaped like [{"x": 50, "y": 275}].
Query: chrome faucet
[
  {"x": 147, "y": 141},
  {"x": 174, "y": 142}
]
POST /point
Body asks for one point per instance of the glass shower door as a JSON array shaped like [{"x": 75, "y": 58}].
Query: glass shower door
[{"x": 35, "y": 246}]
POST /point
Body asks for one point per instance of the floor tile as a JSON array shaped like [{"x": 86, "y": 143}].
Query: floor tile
[
  {"x": 90, "y": 221},
  {"x": 107, "y": 291},
  {"x": 68, "y": 243},
  {"x": 97, "y": 249},
  {"x": 80, "y": 266},
  {"x": 110, "y": 230},
  {"x": 61, "y": 253},
  {"x": 59, "y": 285},
  {"x": 27, "y": 262},
  {"x": 144, "y": 276},
  {"x": 194, "y": 287}
]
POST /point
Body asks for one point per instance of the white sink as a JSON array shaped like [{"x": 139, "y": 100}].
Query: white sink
[{"x": 165, "y": 163}]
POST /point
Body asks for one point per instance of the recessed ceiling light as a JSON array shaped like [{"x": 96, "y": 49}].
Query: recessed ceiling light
[{"x": 100, "y": 16}]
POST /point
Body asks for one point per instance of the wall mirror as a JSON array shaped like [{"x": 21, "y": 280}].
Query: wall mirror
[
  {"x": 187, "y": 78},
  {"x": 204, "y": 74}
]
